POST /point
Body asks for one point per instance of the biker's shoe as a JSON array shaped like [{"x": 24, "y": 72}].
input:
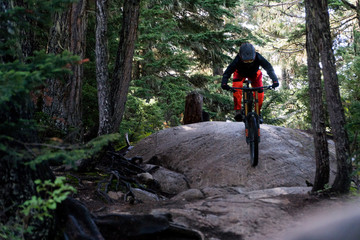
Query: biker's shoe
[
  {"x": 238, "y": 116},
  {"x": 261, "y": 120}
]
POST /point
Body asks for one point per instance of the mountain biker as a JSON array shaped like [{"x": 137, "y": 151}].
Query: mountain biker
[{"x": 246, "y": 65}]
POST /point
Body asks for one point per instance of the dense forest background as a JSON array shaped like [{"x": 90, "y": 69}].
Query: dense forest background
[
  {"x": 183, "y": 47},
  {"x": 64, "y": 65}
]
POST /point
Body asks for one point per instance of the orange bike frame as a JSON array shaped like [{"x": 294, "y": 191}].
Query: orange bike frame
[
  {"x": 246, "y": 103},
  {"x": 257, "y": 110}
]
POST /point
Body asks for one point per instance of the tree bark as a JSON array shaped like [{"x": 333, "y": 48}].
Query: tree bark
[
  {"x": 123, "y": 66},
  {"x": 68, "y": 33},
  {"x": 316, "y": 101},
  {"x": 319, "y": 42},
  {"x": 334, "y": 104},
  {"x": 102, "y": 72},
  {"x": 193, "y": 108}
]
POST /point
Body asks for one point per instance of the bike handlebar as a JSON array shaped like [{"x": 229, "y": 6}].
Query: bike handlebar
[{"x": 254, "y": 89}]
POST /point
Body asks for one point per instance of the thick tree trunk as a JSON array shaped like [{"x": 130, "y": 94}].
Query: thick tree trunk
[
  {"x": 316, "y": 101},
  {"x": 193, "y": 108},
  {"x": 335, "y": 108},
  {"x": 68, "y": 33},
  {"x": 123, "y": 67},
  {"x": 102, "y": 72}
]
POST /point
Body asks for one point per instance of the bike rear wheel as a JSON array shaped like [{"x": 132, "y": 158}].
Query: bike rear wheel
[{"x": 254, "y": 141}]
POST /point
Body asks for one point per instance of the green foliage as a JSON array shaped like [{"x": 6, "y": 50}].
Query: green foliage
[
  {"x": 32, "y": 16},
  {"x": 19, "y": 77},
  {"x": 176, "y": 43},
  {"x": 217, "y": 102},
  {"x": 15, "y": 229},
  {"x": 179, "y": 44},
  {"x": 20, "y": 84},
  {"x": 52, "y": 193},
  {"x": 70, "y": 154},
  {"x": 23, "y": 72},
  {"x": 336, "y": 4},
  {"x": 349, "y": 72},
  {"x": 90, "y": 111},
  {"x": 141, "y": 119}
]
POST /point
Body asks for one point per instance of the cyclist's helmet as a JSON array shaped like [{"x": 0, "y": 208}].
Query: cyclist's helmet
[{"x": 247, "y": 53}]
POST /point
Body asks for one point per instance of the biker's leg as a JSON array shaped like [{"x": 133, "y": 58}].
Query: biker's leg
[
  {"x": 238, "y": 82},
  {"x": 256, "y": 81}
]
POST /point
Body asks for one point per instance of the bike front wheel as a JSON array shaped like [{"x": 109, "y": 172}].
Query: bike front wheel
[{"x": 254, "y": 141}]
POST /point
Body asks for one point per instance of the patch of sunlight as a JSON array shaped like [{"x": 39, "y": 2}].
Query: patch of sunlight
[
  {"x": 150, "y": 101},
  {"x": 188, "y": 128}
]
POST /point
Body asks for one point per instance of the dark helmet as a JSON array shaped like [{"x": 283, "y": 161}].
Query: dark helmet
[{"x": 247, "y": 53}]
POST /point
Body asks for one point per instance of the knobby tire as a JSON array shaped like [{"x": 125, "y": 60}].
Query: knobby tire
[{"x": 254, "y": 141}]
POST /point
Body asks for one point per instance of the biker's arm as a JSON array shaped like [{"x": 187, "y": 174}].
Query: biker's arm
[
  {"x": 269, "y": 69},
  {"x": 227, "y": 74}
]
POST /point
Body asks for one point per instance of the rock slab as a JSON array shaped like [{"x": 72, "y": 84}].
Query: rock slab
[{"x": 215, "y": 154}]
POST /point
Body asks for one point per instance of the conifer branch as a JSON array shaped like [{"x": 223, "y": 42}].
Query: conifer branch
[
  {"x": 341, "y": 23},
  {"x": 350, "y": 5},
  {"x": 278, "y": 4}
]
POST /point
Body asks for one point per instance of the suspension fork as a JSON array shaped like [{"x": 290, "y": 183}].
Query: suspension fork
[
  {"x": 246, "y": 102},
  {"x": 246, "y": 107},
  {"x": 257, "y": 109}
]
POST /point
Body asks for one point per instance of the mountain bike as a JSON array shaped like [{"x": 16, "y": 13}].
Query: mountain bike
[{"x": 251, "y": 118}]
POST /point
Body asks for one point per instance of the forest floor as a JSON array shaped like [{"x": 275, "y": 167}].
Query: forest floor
[
  {"x": 232, "y": 200},
  {"x": 248, "y": 216}
]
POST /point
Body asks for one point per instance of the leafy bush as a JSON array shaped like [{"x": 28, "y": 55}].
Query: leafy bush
[{"x": 52, "y": 193}]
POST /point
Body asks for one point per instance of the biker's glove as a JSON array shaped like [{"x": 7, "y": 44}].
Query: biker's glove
[
  {"x": 275, "y": 84},
  {"x": 225, "y": 87},
  {"x": 232, "y": 90},
  {"x": 228, "y": 88}
]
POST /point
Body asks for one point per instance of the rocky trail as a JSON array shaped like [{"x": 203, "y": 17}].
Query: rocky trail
[{"x": 208, "y": 185}]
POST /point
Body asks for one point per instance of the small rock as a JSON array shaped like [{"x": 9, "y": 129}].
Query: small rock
[
  {"x": 88, "y": 183},
  {"x": 170, "y": 182},
  {"x": 115, "y": 195},
  {"x": 189, "y": 195},
  {"x": 145, "y": 177},
  {"x": 144, "y": 196}
]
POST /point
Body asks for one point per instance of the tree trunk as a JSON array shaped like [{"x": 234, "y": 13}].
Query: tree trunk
[
  {"x": 28, "y": 41},
  {"x": 217, "y": 71},
  {"x": 193, "y": 108},
  {"x": 335, "y": 108},
  {"x": 123, "y": 66},
  {"x": 68, "y": 33},
  {"x": 285, "y": 78},
  {"x": 102, "y": 72},
  {"x": 316, "y": 102}
]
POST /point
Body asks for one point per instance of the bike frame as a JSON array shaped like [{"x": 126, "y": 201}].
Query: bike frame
[
  {"x": 251, "y": 118},
  {"x": 251, "y": 98}
]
